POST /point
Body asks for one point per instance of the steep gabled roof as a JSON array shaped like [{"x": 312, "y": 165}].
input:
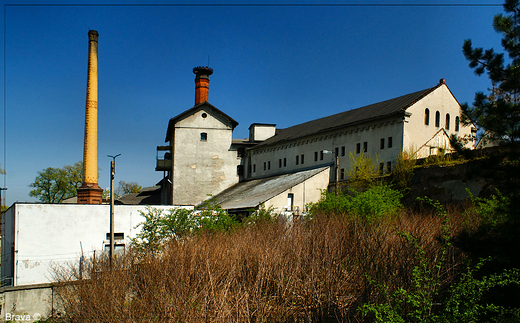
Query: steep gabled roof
[
  {"x": 191, "y": 111},
  {"x": 396, "y": 106}
]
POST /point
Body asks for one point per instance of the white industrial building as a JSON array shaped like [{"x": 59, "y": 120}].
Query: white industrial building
[{"x": 203, "y": 160}]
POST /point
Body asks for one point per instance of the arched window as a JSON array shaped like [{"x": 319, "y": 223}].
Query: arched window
[
  {"x": 447, "y": 121},
  {"x": 437, "y": 119},
  {"x": 457, "y": 121},
  {"x": 427, "y": 116}
]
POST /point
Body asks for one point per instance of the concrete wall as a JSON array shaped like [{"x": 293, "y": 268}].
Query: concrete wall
[
  {"x": 202, "y": 167},
  {"x": 39, "y": 237},
  {"x": 29, "y": 303},
  {"x": 418, "y": 136}
]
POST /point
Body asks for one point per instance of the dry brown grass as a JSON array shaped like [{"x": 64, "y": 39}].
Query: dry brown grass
[{"x": 308, "y": 272}]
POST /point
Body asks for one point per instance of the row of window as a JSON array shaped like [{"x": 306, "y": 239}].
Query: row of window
[
  {"x": 300, "y": 159},
  {"x": 438, "y": 120}
]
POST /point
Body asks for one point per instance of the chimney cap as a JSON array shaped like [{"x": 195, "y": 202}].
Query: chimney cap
[
  {"x": 442, "y": 81},
  {"x": 202, "y": 70}
]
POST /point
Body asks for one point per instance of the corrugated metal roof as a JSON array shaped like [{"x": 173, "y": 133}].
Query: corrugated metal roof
[
  {"x": 249, "y": 194},
  {"x": 367, "y": 113}
]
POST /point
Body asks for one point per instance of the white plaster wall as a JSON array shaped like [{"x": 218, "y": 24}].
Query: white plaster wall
[
  {"x": 259, "y": 132},
  {"x": 304, "y": 193},
  {"x": 417, "y": 134},
  {"x": 47, "y": 235},
  {"x": 202, "y": 167},
  {"x": 347, "y": 137}
]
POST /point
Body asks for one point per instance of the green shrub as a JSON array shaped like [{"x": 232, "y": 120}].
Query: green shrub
[
  {"x": 493, "y": 211},
  {"x": 369, "y": 205},
  {"x": 158, "y": 227}
]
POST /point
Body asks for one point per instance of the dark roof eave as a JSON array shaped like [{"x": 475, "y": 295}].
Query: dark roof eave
[{"x": 398, "y": 113}]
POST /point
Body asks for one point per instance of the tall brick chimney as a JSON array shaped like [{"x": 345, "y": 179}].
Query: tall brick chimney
[
  {"x": 202, "y": 83},
  {"x": 90, "y": 192}
]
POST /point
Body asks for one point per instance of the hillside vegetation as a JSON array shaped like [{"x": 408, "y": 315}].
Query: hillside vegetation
[{"x": 355, "y": 257}]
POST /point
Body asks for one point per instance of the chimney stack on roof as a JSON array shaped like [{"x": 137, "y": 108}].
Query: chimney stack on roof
[
  {"x": 90, "y": 192},
  {"x": 202, "y": 83}
]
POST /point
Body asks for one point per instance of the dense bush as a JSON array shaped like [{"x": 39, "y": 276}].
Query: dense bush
[{"x": 374, "y": 203}]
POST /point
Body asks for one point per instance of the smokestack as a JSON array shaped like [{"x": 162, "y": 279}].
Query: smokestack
[
  {"x": 90, "y": 192},
  {"x": 202, "y": 83}
]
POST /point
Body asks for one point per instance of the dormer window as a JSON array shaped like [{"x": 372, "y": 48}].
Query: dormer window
[{"x": 203, "y": 136}]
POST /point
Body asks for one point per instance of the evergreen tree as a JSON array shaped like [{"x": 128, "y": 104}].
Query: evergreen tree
[{"x": 499, "y": 112}]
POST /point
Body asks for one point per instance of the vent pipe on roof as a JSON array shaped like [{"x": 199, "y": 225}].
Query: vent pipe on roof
[{"x": 202, "y": 83}]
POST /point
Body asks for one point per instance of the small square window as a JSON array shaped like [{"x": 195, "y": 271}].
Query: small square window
[{"x": 203, "y": 136}]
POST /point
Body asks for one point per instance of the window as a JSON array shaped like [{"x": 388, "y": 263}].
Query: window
[
  {"x": 358, "y": 148},
  {"x": 203, "y": 136},
  {"x": 280, "y": 163},
  {"x": 284, "y": 162},
  {"x": 117, "y": 236},
  {"x": 265, "y": 166},
  {"x": 321, "y": 155},
  {"x": 254, "y": 168},
  {"x": 240, "y": 170},
  {"x": 381, "y": 168},
  {"x": 249, "y": 168},
  {"x": 389, "y": 167},
  {"x": 297, "y": 160},
  {"x": 301, "y": 159},
  {"x": 336, "y": 151},
  {"x": 382, "y": 143},
  {"x": 437, "y": 119},
  {"x": 447, "y": 121},
  {"x": 342, "y": 173},
  {"x": 427, "y": 116},
  {"x": 343, "y": 151},
  {"x": 315, "y": 156},
  {"x": 268, "y": 165},
  {"x": 457, "y": 121},
  {"x": 365, "y": 147},
  {"x": 389, "y": 142}
]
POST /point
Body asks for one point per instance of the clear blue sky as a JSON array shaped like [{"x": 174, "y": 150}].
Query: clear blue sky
[{"x": 272, "y": 64}]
